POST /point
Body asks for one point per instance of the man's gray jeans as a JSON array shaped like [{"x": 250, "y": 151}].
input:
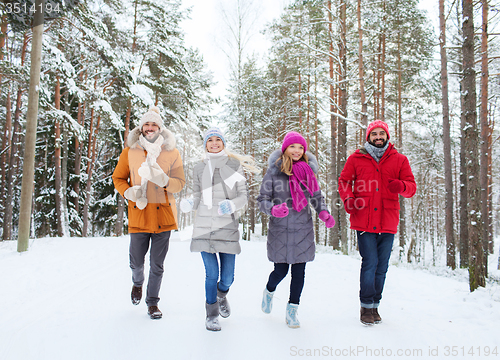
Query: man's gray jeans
[{"x": 139, "y": 245}]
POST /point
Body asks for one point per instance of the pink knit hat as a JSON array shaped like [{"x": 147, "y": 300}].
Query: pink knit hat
[
  {"x": 377, "y": 124},
  {"x": 293, "y": 137}
]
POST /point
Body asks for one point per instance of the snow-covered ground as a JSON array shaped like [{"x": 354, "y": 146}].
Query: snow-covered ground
[{"x": 69, "y": 298}]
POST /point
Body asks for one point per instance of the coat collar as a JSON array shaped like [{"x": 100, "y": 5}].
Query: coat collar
[
  {"x": 390, "y": 150},
  {"x": 168, "y": 143},
  {"x": 274, "y": 167}
]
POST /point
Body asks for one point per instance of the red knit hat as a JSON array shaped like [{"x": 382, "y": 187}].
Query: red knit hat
[
  {"x": 293, "y": 137},
  {"x": 377, "y": 124}
]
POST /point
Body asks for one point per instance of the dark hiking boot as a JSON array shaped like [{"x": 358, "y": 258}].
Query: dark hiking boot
[
  {"x": 154, "y": 313},
  {"x": 224, "y": 309},
  {"x": 366, "y": 317},
  {"x": 376, "y": 317},
  {"x": 136, "y": 294}
]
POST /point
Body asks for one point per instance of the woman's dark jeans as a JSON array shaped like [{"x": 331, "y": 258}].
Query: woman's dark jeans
[{"x": 297, "y": 283}]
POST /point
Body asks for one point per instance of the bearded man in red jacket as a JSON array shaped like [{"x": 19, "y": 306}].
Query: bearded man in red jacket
[{"x": 369, "y": 185}]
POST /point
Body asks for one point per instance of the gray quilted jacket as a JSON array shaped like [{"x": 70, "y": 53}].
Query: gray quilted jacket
[
  {"x": 290, "y": 239},
  {"x": 214, "y": 233}
]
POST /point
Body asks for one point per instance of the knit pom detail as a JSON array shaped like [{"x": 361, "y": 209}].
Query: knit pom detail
[{"x": 155, "y": 109}]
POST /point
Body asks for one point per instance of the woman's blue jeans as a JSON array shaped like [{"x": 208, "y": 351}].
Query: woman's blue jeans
[
  {"x": 375, "y": 250},
  {"x": 212, "y": 274}
]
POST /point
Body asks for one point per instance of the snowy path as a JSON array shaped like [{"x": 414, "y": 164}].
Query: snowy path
[{"x": 69, "y": 299}]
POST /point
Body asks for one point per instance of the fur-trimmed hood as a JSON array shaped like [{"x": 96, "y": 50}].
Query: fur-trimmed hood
[
  {"x": 275, "y": 168},
  {"x": 168, "y": 144}
]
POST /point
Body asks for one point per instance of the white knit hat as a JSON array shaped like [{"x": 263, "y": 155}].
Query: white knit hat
[{"x": 153, "y": 115}]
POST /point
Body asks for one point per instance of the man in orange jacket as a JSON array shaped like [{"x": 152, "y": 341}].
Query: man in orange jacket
[
  {"x": 369, "y": 185},
  {"x": 148, "y": 172}
]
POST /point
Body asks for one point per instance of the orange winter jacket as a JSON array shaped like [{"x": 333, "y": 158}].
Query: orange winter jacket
[{"x": 160, "y": 214}]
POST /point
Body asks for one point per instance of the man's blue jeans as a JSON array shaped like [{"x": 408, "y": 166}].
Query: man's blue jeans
[
  {"x": 375, "y": 250},
  {"x": 212, "y": 274}
]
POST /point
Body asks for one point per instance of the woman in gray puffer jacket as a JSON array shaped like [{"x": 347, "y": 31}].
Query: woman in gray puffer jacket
[
  {"x": 219, "y": 190},
  {"x": 287, "y": 190}
]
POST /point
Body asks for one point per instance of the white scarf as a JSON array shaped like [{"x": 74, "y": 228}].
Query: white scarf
[
  {"x": 228, "y": 175},
  {"x": 153, "y": 150}
]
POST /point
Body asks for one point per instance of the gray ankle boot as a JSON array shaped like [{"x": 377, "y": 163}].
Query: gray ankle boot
[
  {"x": 212, "y": 320},
  {"x": 224, "y": 308}
]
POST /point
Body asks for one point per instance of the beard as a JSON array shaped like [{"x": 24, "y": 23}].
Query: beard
[
  {"x": 151, "y": 136},
  {"x": 384, "y": 142}
]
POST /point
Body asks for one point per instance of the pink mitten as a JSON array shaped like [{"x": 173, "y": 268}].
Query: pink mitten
[
  {"x": 280, "y": 211},
  {"x": 327, "y": 218}
]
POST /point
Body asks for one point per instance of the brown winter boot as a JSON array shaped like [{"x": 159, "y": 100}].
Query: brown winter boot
[
  {"x": 376, "y": 317},
  {"x": 154, "y": 313},
  {"x": 136, "y": 294},
  {"x": 366, "y": 317}
]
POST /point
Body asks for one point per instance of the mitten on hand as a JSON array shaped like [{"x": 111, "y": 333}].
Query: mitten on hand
[
  {"x": 153, "y": 173},
  {"x": 280, "y": 211},
  {"x": 141, "y": 203},
  {"x": 349, "y": 205},
  {"x": 396, "y": 186},
  {"x": 327, "y": 218},
  {"x": 226, "y": 207},
  {"x": 133, "y": 193},
  {"x": 186, "y": 205}
]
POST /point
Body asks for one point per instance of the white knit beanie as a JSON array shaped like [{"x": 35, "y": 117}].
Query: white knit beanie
[{"x": 153, "y": 115}]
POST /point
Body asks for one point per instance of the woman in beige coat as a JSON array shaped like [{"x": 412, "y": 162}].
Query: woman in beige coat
[{"x": 220, "y": 191}]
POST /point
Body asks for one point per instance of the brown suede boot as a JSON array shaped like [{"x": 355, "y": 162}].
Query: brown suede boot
[
  {"x": 376, "y": 317},
  {"x": 366, "y": 317},
  {"x": 154, "y": 313},
  {"x": 136, "y": 294}
]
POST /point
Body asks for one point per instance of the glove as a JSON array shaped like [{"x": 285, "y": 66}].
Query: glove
[
  {"x": 153, "y": 173},
  {"x": 349, "y": 205},
  {"x": 280, "y": 211},
  {"x": 226, "y": 207},
  {"x": 133, "y": 193},
  {"x": 396, "y": 186},
  {"x": 327, "y": 218},
  {"x": 186, "y": 205}
]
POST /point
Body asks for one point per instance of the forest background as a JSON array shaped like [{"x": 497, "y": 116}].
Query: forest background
[{"x": 332, "y": 67}]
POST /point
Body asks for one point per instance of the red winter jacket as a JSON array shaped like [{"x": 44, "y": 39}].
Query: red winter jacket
[{"x": 366, "y": 180}]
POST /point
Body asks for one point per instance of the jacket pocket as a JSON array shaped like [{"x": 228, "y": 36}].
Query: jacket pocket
[
  {"x": 135, "y": 216},
  {"x": 361, "y": 217},
  {"x": 165, "y": 215},
  {"x": 390, "y": 219}
]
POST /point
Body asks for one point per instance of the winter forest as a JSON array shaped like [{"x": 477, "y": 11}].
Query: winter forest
[{"x": 333, "y": 66}]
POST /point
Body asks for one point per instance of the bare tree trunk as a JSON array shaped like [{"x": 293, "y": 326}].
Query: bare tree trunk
[
  {"x": 464, "y": 181},
  {"x": 382, "y": 95},
  {"x": 57, "y": 162},
  {"x": 120, "y": 200},
  {"x": 27, "y": 198},
  {"x": 64, "y": 174},
  {"x": 334, "y": 234},
  {"x": 78, "y": 149},
  {"x": 477, "y": 271},
  {"x": 364, "y": 104},
  {"x": 485, "y": 150},
  {"x": 448, "y": 176},
  {"x": 402, "y": 210},
  {"x": 78, "y": 159},
  {"x": 9, "y": 180},
  {"x": 90, "y": 166},
  {"x": 6, "y": 145},
  {"x": 342, "y": 141},
  {"x": 3, "y": 39}
]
